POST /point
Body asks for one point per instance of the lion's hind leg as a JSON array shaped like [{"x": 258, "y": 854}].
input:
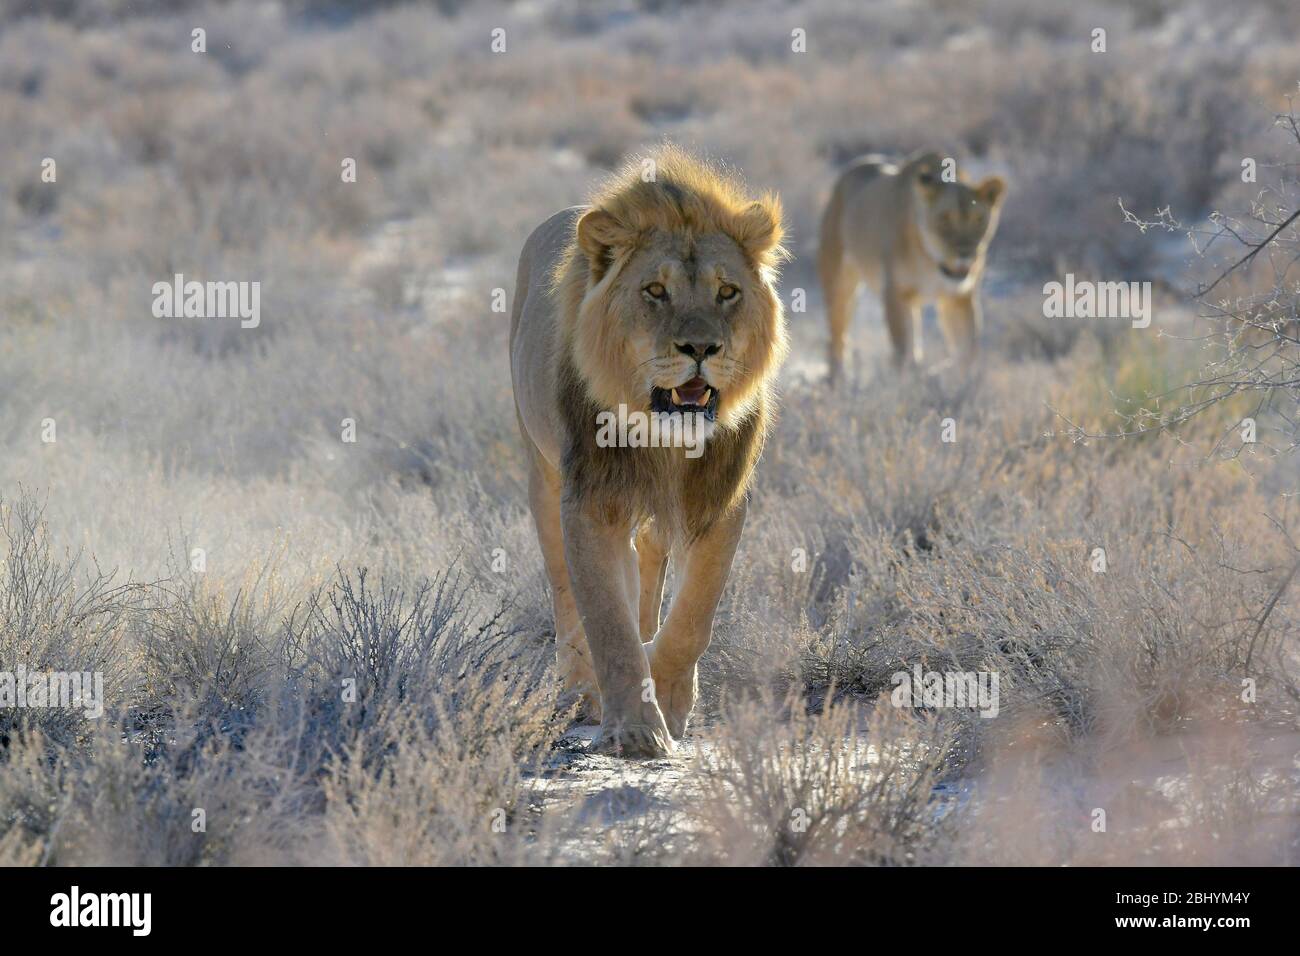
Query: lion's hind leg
[
  {"x": 652, "y": 561},
  {"x": 572, "y": 655}
]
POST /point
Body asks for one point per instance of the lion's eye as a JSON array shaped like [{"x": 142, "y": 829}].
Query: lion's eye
[
  {"x": 656, "y": 290},
  {"x": 727, "y": 293}
]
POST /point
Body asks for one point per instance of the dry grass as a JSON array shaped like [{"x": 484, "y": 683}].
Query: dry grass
[{"x": 789, "y": 788}]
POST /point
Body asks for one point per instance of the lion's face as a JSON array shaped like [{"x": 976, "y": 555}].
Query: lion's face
[
  {"x": 956, "y": 219},
  {"x": 678, "y": 321}
]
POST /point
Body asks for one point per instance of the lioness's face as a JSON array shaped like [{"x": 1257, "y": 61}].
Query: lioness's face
[
  {"x": 694, "y": 321},
  {"x": 956, "y": 220}
]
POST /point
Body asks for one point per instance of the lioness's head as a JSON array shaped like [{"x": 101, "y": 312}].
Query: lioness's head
[
  {"x": 671, "y": 277},
  {"x": 956, "y": 219}
]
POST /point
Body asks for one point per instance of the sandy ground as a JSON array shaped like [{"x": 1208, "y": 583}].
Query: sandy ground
[{"x": 1159, "y": 784}]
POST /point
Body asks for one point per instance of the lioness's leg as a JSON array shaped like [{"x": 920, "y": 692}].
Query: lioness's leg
[
  {"x": 652, "y": 558},
  {"x": 903, "y": 317},
  {"x": 571, "y": 653},
  {"x": 596, "y": 552},
  {"x": 839, "y": 284},
  {"x": 832, "y": 269},
  {"x": 685, "y": 634},
  {"x": 959, "y": 318}
]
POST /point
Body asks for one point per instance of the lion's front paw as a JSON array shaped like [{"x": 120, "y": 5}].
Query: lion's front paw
[
  {"x": 676, "y": 695},
  {"x": 637, "y": 740}
]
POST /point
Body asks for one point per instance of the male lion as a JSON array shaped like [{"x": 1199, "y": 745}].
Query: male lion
[
  {"x": 915, "y": 239},
  {"x": 658, "y": 296}
]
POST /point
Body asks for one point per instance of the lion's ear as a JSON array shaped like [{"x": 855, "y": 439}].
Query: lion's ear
[
  {"x": 758, "y": 228},
  {"x": 599, "y": 235},
  {"x": 991, "y": 190}
]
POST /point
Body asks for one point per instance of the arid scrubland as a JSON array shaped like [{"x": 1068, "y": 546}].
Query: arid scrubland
[{"x": 341, "y": 651}]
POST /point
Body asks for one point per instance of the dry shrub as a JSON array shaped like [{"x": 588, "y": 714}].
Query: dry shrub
[
  {"x": 787, "y": 787},
  {"x": 430, "y": 763},
  {"x": 1213, "y": 795},
  {"x": 457, "y": 793},
  {"x": 56, "y": 616},
  {"x": 198, "y": 799}
]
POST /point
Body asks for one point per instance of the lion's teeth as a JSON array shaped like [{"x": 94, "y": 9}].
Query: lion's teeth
[
  {"x": 676, "y": 400},
  {"x": 708, "y": 393}
]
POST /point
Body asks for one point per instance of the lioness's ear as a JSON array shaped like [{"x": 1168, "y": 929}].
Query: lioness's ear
[
  {"x": 599, "y": 234},
  {"x": 758, "y": 228},
  {"x": 991, "y": 190},
  {"x": 926, "y": 169}
]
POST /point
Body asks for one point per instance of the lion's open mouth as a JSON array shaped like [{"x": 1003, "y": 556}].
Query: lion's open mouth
[
  {"x": 697, "y": 395},
  {"x": 954, "y": 272}
]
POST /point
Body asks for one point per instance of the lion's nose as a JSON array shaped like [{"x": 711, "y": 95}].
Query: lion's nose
[{"x": 699, "y": 350}]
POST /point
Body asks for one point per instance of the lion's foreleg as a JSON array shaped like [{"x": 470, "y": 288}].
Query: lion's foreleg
[
  {"x": 686, "y": 633},
  {"x": 959, "y": 319},
  {"x": 596, "y": 552},
  {"x": 902, "y": 316}
]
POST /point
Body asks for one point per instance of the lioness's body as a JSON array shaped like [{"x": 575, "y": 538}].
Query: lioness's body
[
  {"x": 914, "y": 239},
  {"x": 587, "y": 335}
]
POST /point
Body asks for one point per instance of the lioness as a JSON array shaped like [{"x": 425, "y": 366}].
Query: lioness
[
  {"x": 658, "y": 296},
  {"x": 915, "y": 239}
]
